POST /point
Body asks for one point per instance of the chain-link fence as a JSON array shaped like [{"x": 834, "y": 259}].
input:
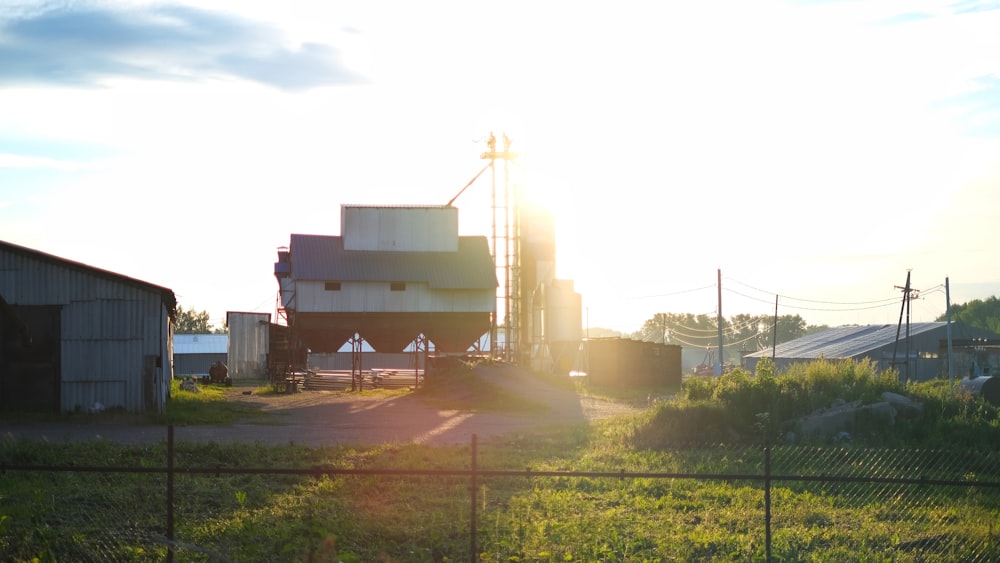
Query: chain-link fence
[{"x": 719, "y": 503}]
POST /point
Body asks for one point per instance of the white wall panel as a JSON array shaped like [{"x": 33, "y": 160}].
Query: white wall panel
[
  {"x": 403, "y": 229},
  {"x": 372, "y": 297}
]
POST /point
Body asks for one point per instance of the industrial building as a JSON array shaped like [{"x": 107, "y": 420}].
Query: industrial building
[
  {"x": 395, "y": 276},
  {"x": 400, "y": 278},
  {"x": 920, "y": 350},
  {"x": 194, "y": 354},
  {"x": 75, "y": 337}
]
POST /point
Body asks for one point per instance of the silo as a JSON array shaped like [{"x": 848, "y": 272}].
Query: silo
[{"x": 563, "y": 324}]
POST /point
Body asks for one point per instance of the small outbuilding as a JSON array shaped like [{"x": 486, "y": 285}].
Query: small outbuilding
[
  {"x": 622, "y": 361},
  {"x": 76, "y": 337},
  {"x": 194, "y": 354}
]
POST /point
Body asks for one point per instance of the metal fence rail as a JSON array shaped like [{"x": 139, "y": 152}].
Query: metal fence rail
[{"x": 790, "y": 503}]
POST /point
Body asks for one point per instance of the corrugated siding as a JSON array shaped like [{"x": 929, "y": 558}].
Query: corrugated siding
[
  {"x": 248, "y": 345},
  {"x": 422, "y": 229},
  {"x": 196, "y": 364},
  {"x": 377, "y": 297},
  {"x": 109, "y": 328},
  {"x": 323, "y": 258},
  {"x": 201, "y": 344},
  {"x": 846, "y": 341}
]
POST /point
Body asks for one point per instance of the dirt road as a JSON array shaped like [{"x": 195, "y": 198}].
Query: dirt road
[{"x": 321, "y": 418}]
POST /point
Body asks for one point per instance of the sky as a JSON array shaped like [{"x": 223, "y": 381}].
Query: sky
[{"x": 808, "y": 152}]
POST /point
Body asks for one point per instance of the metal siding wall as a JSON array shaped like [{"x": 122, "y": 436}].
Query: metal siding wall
[
  {"x": 107, "y": 329},
  {"x": 248, "y": 345},
  {"x": 375, "y": 297},
  {"x": 196, "y": 364},
  {"x": 400, "y": 228}
]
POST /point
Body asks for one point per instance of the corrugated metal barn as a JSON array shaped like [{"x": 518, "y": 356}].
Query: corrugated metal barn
[
  {"x": 194, "y": 354},
  {"x": 396, "y": 273},
  {"x": 75, "y": 337},
  {"x": 924, "y": 357}
]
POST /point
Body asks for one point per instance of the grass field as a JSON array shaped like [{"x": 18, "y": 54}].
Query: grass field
[{"x": 48, "y": 516}]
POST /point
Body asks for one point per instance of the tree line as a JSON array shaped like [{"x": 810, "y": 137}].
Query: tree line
[{"x": 746, "y": 332}]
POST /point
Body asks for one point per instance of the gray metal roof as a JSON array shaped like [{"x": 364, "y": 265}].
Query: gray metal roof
[
  {"x": 166, "y": 295},
  {"x": 320, "y": 257},
  {"x": 201, "y": 343},
  {"x": 845, "y": 341}
]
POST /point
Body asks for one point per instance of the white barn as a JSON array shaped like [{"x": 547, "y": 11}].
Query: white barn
[{"x": 75, "y": 337}]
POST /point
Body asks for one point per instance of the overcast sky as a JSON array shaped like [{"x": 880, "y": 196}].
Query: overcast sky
[{"x": 812, "y": 150}]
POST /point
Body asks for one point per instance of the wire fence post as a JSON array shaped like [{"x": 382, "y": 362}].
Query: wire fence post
[
  {"x": 767, "y": 502},
  {"x": 170, "y": 493},
  {"x": 472, "y": 495}
]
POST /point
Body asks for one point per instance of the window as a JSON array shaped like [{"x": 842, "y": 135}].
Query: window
[
  {"x": 397, "y": 286},
  {"x": 332, "y": 286}
]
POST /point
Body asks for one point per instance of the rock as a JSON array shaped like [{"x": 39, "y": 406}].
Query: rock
[
  {"x": 831, "y": 421},
  {"x": 189, "y": 385},
  {"x": 905, "y": 406}
]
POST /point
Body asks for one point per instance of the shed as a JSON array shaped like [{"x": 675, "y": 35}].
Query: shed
[
  {"x": 195, "y": 353},
  {"x": 249, "y": 340},
  {"x": 76, "y": 337},
  {"x": 924, "y": 357},
  {"x": 623, "y": 361}
]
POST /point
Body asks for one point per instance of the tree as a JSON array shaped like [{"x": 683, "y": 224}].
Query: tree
[
  {"x": 977, "y": 313},
  {"x": 749, "y": 332},
  {"x": 600, "y": 332},
  {"x": 192, "y": 322}
]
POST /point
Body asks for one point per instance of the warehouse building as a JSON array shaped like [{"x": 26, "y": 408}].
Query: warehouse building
[
  {"x": 75, "y": 337},
  {"x": 918, "y": 352}
]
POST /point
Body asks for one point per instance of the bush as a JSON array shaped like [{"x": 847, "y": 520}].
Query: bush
[{"x": 743, "y": 407}]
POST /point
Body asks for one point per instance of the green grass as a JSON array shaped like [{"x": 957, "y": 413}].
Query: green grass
[
  {"x": 416, "y": 518},
  {"x": 209, "y": 406},
  {"x": 426, "y": 518}
]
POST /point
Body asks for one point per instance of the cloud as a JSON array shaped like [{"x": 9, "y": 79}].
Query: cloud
[
  {"x": 20, "y": 161},
  {"x": 86, "y": 46},
  {"x": 968, "y": 6},
  {"x": 979, "y": 107}
]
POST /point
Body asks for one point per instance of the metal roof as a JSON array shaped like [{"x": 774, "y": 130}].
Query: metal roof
[
  {"x": 201, "y": 343},
  {"x": 166, "y": 295},
  {"x": 320, "y": 257},
  {"x": 845, "y": 341}
]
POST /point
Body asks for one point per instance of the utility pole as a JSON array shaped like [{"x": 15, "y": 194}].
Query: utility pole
[
  {"x": 774, "y": 340},
  {"x": 951, "y": 355},
  {"x": 908, "y": 295},
  {"x": 718, "y": 370}
]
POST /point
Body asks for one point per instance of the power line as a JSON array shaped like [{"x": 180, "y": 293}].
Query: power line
[
  {"x": 800, "y": 307},
  {"x": 888, "y": 299}
]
